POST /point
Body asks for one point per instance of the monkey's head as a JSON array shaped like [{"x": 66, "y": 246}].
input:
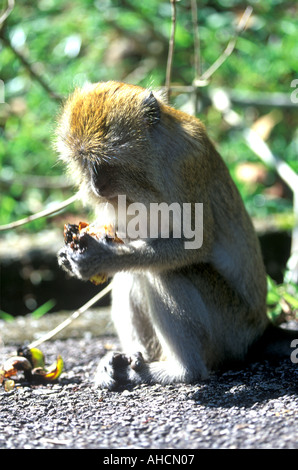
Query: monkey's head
[
  {"x": 104, "y": 133},
  {"x": 120, "y": 139}
]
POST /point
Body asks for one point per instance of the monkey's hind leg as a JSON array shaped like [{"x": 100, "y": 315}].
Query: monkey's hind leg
[
  {"x": 162, "y": 344},
  {"x": 136, "y": 335}
]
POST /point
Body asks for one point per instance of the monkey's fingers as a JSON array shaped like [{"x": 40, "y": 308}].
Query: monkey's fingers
[{"x": 63, "y": 260}]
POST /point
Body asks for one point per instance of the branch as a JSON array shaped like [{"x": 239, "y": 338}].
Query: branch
[
  {"x": 33, "y": 181},
  {"x": 135, "y": 9},
  {"x": 221, "y": 102},
  {"x": 202, "y": 80},
  {"x": 197, "y": 51},
  {"x": 72, "y": 317},
  {"x": 240, "y": 98},
  {"x": 29, "y": 68},
  {"x": 260, "y": 148},
  {"x": 230, "y": 47},
  {"x": 5, "y": 15},
  {"x": 275, "y": 99},
  {"x": 171, "y": 49},
  {"x": 39, "y": 215}
]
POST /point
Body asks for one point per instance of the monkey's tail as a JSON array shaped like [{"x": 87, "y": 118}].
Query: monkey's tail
[{"x": 276, "y": 343}]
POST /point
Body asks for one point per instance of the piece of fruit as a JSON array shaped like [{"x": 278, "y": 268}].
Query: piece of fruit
[
  {"x": 74, "y": 237},
  {"x": 55, "y": 370},
  {"x": 17, "y": 363},
  {"x": 9, "y": 385},
  {"x": 34, "y": 356},
  {"x": 51, "y": 373},
  {"x": 31, "y": 362}
]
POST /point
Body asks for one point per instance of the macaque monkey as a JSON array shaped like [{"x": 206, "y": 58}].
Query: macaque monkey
[{"x": 179, "y": 313}]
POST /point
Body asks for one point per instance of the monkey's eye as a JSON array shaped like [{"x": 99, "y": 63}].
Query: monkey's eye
[{"x": 91, "y": 165}]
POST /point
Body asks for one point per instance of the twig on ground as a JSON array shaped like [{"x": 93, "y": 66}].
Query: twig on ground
[{"x": 72, "y": 317}]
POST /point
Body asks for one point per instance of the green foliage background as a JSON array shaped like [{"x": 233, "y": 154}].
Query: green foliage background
[{"x": 69, "y": 42}]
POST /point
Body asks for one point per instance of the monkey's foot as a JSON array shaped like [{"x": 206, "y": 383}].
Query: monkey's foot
[{"x": 117, "y": 369}]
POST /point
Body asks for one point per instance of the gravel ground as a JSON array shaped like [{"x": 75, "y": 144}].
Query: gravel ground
[{"x": 255, "y": 407}]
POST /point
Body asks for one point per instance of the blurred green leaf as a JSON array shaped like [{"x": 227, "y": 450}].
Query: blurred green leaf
[
  {"x": 292, "y": 301},
  {"x": 43, "y": 309},
  {"x": 277, "y": 294},
  {"x": 116, "y": 40},
  {"x": 6, "y": 316}
]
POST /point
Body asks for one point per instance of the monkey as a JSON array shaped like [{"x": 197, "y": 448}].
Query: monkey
[{"x": 179, "y": 313}]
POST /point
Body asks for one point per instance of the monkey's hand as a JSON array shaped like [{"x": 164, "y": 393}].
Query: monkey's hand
[
  {"x": 94, "y": 259},
  {"x": 104, "y": 257}
]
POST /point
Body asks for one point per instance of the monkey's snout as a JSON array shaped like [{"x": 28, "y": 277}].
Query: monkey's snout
[
  {"x": 102, "y": 184},
  {"x": 103, "y": 189}
]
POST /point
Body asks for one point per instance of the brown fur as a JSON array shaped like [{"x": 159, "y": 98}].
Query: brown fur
[{"x": 199, "y": 307}]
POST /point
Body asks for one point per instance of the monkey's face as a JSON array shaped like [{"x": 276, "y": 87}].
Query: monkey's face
[{"x": 104, "y": 136}]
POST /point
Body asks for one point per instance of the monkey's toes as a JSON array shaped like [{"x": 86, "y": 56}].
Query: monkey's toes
[
  {"x": 137, "y": 361},
  {"x": 117, "y": 369}
]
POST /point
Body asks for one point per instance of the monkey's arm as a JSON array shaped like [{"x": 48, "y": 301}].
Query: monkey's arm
[{"x": 109, "y": 258}]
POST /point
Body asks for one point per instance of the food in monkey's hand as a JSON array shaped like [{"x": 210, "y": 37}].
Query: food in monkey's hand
[
  {"x": 74, "y": 238},
  {"x": 74, "y": 234}
]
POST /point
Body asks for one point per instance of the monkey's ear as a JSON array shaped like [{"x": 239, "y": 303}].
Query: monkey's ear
[{"x": 151, "y": 109}]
